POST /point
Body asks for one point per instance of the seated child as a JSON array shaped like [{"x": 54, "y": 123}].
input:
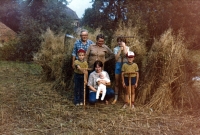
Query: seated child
[{"x": 102, "y": 87}]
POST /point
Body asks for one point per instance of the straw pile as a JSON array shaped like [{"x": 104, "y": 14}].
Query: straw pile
[
  {"x": 137, "y": 42},
  {"x": 52, "y": 55},
  {"x": 168, "y": 75}
]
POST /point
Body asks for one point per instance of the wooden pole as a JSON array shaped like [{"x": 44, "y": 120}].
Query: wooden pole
[
  {"x": 84, "y": 92},
  {"x": 129, "y": 86},
  {"x": 84, "y": 97}
]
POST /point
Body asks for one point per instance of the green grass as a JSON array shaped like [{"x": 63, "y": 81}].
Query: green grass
[{"x": 30, "y": 68}]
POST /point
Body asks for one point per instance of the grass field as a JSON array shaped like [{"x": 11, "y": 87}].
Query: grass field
[{"x": 29, "y": 106}]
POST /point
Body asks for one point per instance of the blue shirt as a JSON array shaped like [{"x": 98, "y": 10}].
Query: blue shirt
[{"x": 78, "y": 45}]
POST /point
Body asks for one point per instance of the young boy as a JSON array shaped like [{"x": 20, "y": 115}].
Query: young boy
[
  {"x": 102, "y": 87},
  {"x": 130, "y": 67},
  {"x": 80, "y": 77}
]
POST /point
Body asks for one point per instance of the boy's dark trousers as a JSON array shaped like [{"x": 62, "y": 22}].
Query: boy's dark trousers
[{"x": 78, "y": 88}]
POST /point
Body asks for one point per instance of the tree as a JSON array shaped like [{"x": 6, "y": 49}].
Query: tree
[
  {"x": 9, "y": 14},
  {"x": 33, "y": 18},
  {"x": 36, "y": 21},
  {"x": 105, "y": 14}
]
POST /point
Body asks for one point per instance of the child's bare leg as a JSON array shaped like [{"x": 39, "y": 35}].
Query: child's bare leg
[
  {"x": 117, "y": 78},
  {"x": 132, "y": 94},
  {"x": 126, "y": 99}
]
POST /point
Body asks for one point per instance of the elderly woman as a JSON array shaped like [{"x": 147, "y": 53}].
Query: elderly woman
[
  {"x": 93, "y": 85},
  {"x": 98, "y": 51}
]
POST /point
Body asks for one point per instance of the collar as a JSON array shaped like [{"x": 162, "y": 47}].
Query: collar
[
  {"x": 81, "y": 60},
  {"x": 101, "y": 46},
  {"x": 82, "y": 42},
  {"x": 129, "y": 63}
]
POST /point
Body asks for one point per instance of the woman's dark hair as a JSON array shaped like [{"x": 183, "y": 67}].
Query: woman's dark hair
[
  {"x": 99, "y": 63},
  {"x": 100, "y": 36},
  {"x": 123, "y": 39}
]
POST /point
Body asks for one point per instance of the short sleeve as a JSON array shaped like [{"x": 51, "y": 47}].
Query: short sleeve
[
  {"x": 123, "y": 66},
  {"x": 115, "y": 50}
]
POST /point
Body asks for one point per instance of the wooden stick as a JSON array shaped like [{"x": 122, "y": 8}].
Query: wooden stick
[
  {"x": 85, "y": 85},
  {"x": 129, "y": 86}
]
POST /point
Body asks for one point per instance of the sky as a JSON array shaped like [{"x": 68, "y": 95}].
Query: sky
[{"x": 79, "y": 6}]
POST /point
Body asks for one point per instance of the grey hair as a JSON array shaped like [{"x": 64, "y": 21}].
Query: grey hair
[{"x": 83, "y": 30}]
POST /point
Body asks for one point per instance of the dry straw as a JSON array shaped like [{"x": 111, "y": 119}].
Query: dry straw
[
  {"x": 137, "y": 43},
  {"x": 55, "y": 58},
  {"x": 54, "y": 52},
  {"x": 167, "y": 74}
]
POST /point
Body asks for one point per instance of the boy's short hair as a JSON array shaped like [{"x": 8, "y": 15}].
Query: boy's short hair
[
  {"x": 81, "y": 50},
  {"x": 130, "y": 54}
]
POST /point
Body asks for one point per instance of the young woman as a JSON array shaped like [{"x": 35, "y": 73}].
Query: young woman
[
  {"x": 120, "y": 51},
  {"x": 93, "y": 85}
]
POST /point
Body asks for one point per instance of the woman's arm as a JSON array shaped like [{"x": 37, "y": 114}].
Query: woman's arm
[
  {"x": 104, "y": 82},
  {"x": 124, "y": 48},
  {"x": 92, "y": 82},
  {"x": 92, "y": 88},
  {"x": 118, "y": 54},
  {"x": 110, "y": 54},
  {"x": 123, "y": 83}
]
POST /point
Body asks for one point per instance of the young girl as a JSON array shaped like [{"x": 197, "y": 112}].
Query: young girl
[
  {"x": 132, "y": 68},
  {"x": 120, "y": 50},
  {"x": 79, "y": 77}
]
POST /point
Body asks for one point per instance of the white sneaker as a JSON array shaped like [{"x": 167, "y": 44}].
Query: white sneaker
[
  {"x": 132, "y": 106},
  {"x": 77, "y": 104},
  {"x": 81, "y": 103},
  {"x": 124, "y": 106}
]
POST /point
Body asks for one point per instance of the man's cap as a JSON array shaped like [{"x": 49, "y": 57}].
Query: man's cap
[
  {"x": 81, "y": 50},
  {"x": 130, "y": 54}
]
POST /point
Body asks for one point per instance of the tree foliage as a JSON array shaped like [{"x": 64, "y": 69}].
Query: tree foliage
[
  {"x": 159, "y": 15},
  {"x": 30, "y": 19}
]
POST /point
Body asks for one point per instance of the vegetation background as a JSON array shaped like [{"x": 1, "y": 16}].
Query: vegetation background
[{"x": 36, "y": 81}]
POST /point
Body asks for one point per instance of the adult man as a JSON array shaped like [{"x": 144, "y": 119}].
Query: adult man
[{"x": 83, "y": 43}]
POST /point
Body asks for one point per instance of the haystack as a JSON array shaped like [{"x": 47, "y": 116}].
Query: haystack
[
  {"x": 136, "y": 40},
  {"x": 168, "y": 75},
  {"x": 52, "y": 54}
]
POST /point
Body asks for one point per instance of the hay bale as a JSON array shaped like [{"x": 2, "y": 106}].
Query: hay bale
[
  {"x": 51, "y": 54},
  {"x": 137, "y": 43},
  {"x": 167, "y": 74}
]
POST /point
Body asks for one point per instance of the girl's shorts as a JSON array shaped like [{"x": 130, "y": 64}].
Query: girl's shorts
[
  {"x": 126, "y": 81},
  {"x": 118, "y": 66}
]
